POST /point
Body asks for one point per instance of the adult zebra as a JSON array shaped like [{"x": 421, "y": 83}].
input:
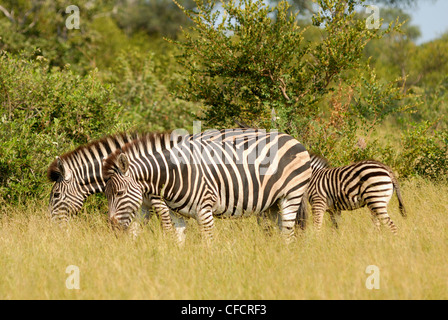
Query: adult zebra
[
  {"x": 366, "y": 183},
  {"x": 78, "y": 174},
  {"x": 227, "y": 173}
]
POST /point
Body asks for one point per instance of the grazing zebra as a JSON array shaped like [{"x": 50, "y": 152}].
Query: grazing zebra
[
  {"x": 366, "y": 183},
  {"x": 227, "y": 173},
  {"x": 78, "y": 174}
]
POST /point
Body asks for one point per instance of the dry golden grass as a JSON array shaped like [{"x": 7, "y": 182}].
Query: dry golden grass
[{"x": 242, "y": 263}]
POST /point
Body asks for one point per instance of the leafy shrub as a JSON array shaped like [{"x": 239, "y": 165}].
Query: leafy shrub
[
  {"x": 251, "y": 62},
  {"x": 147, "y": 101},
  {"x": 45, "y": 112},
  {"x": 425, "y": 152}
]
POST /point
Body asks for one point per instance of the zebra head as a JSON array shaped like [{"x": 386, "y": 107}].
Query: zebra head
[
  {"x": 66, "y": 197},
  {"x": 124, "y": 194}
]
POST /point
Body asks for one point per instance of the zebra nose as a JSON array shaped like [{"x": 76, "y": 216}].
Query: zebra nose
[
  {"x": 117, "y": 223},
  {"x": 114, "y": 221}
]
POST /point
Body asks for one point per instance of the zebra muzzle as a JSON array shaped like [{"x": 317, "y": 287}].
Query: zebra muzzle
[{"x": 119, "y": 224}]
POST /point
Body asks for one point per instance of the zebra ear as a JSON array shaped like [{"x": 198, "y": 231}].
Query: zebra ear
[
  {"x": 65, "y": 172},
  {"x": 123, "y": 163}
]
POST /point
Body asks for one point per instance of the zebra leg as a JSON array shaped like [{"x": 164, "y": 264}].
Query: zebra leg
[
  {"x": 167, "y": 223},
  {"x": 263, "y": 221},
  {"x": 135, "y": 229},
  {"x": 206, "y": 222},
  {"x": 375, "y": 220},
  {"x": 146, "y": 213},
  {"x": 288, "y": 213},
  {"x": 179, "y": 226},
  {"x": 164, "y": 214},
  {"x": 318, "y": 208},
  {"x": 335, "y": 215},
  {"x": 266, "y": 218},
  {"x": 380, "y": 216}
]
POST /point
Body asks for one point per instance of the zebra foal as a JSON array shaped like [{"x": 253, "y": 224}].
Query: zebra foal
[
  {"x": 365, "y": 183},
  {"x": 228, "y": 173}
]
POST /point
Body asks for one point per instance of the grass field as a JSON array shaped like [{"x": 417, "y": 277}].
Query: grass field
[{"x": 242, "y": 263}]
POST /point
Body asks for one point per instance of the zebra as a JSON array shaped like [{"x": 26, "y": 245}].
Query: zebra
[
  {"x": 78, "y": 174},
  {"x": 366, "y": 183},
  {"x": 229, "y": 173}
]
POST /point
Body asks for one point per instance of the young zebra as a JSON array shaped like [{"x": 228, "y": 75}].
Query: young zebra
[
  {"x": 227, "y": 173},
  {"x": 78, "y": 174},
  {"x": 365, "y": 183}
]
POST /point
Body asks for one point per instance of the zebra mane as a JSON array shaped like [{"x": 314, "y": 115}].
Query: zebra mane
[
  {"x": 318, "y": 162},
  {"x": 149, "y": 141},
  {"x": 53, "y": 171}
]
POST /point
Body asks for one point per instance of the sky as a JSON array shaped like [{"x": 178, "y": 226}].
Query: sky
[{"x": 432, "y": 18}]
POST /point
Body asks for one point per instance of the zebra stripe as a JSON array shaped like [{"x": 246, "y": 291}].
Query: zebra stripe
[
  {"x": 367, "y": 183},
  {"x": 78, "y": 174},
  {"x": 227, "y": 173}
]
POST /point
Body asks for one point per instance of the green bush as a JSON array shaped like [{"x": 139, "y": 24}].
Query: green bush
[
  {"x": 251, "y": 62},
  {"x": 147, "y": 101},
  {"x": 425, "y": 152},
  {"x": 45, "y": 112}
]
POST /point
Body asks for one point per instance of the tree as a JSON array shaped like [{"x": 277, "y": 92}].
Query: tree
[{"x": 250, "y": 63}]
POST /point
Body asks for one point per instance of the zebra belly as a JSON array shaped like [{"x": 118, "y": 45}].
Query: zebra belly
[
  {"x": 346, "y": 203},
  {"x": 234, "y": 213},
  {"x": 219, "y": 210}
]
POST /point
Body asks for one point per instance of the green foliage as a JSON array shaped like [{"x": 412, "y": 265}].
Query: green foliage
[
  {"x": 257, "y": 64},
  {"x": 251, "y": 63},
  {"x": 156, "y": 17},
  {"x": 146, "y": 100},
  {"x": 45, "y": 112},
  {"x": 31, "y": 24},
  {"x": 106, "y": 28},
  {"x": 235, "y": 68},
  {"x": 425, "y": 152}
]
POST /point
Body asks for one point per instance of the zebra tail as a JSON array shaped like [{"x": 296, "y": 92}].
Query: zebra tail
[
  {"x": 302, "y": 213},
  {"x": 400, "y": 199},
  {"x": 398, "y": 193}
]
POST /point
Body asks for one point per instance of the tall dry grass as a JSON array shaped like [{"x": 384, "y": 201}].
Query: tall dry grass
[{"x": 242, "y": 263}]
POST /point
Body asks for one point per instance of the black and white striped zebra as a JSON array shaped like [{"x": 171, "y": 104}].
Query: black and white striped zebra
[
  {"x": 78, "y": 174},
  {"x": 227, "y": 173},
  {"x": 366, "y": 183}
]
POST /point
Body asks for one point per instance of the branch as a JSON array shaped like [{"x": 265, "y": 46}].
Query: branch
[
  {"x": 283, "y": 89},
  {"x": 7, "y": 14},
  {"x": 282, "y": 86}
]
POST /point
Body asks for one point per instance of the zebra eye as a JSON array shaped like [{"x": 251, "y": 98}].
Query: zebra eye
[
  {"x": 120, "y": 193},
  {"x": 56, "y": 195}
]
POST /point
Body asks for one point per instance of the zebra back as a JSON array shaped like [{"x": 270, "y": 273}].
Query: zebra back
[{"x": 85, "y": 161}]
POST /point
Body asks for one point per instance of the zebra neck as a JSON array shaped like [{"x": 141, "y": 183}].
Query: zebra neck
[
  {"x": 92, "y": 187},
  {"x": 318, "y": 163},
  {"x": 157, "y": 176}
]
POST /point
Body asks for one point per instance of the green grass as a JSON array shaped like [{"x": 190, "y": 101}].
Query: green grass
[{"x": 242, "y": 263}]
